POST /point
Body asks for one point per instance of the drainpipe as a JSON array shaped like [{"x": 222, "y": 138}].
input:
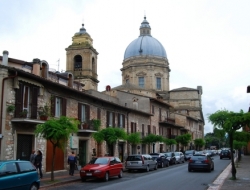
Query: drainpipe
[{"x": 1, "y": 115}]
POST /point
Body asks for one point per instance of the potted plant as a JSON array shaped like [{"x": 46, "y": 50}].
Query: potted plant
[
  {"x": 23, "y": 113},
  {"x": 44, "y": 112},
  {"x": 10, "y": 109}
]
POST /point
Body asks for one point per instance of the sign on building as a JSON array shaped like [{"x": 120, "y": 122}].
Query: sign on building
[{"x": 74, "y": 142}]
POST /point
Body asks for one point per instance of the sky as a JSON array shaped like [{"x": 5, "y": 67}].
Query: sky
[{"x": 207, "y": 41}]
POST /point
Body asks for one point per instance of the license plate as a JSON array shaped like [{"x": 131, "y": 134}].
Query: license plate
[
  {"x": 134, "y": 162},
  {"x": 198, "y": 162},
  {"x": 88, "y": 174}
]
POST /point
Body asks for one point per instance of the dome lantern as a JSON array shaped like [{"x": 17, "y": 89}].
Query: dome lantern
[{"x": 145, "y": 29}]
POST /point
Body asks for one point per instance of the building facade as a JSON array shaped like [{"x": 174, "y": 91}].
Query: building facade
[{"x": 142, "y": 103}]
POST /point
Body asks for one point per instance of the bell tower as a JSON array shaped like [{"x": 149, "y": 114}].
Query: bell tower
[{"x": 82, "y": 59}]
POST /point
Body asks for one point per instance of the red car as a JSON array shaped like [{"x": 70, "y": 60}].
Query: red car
[{"x": 102, "y": 168}]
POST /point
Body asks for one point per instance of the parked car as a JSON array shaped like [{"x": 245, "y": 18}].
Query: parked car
[
  {"x": 140, "y": 162},
  {"x": 171, "y": 157},
  {"x": 161, "y": 159},
  {"x": 200, "y": 162},
  {"x": 17, "y": 174},
  {"x": 188, "y": 154},
  {"x": 102, "y": 168},
  {"x": 225, "y": 154},
  {"x": 179, "y": 157}
]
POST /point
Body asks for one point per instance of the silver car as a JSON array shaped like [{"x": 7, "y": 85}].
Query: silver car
[
  {"x": 179, "y": 157},
  {"x": 140, "y": 162}
]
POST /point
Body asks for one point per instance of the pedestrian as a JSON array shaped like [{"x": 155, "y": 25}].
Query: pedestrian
[
  {"x": 32, "y": 157},
  {"x": 38, "y": 163},
  {"x": 72, "y": 163}
]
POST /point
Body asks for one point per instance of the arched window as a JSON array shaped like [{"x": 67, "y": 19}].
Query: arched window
[
  {"x": 93, "y": 65},
  {"x": 78, "y": 62}
]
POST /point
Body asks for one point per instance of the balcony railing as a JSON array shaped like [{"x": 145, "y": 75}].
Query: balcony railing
[{"x": 86, "y": 126}]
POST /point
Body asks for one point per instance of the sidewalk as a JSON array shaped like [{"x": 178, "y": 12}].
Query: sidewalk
[{"x": 223, "y": 181}]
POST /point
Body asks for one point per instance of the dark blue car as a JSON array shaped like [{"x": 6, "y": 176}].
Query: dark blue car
[{"x": 17, "y": 174}]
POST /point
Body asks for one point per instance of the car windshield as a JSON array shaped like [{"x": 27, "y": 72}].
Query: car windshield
[
  {"x": 189, "y": 152},
  {"x": 101, "y": 161},
  {"x": 177, "y": 154}
]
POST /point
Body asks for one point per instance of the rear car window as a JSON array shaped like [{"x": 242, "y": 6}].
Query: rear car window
[
  {"x": 26, "y": 166},
  {"x": 198, "y": 157},
  {"x": 134, "y": 158}
]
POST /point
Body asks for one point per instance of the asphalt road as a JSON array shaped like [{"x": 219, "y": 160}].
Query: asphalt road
[{"x": 174, "y": 177}]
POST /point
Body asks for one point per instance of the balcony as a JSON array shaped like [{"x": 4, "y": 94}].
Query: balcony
[{"x": 86, "y": 127}]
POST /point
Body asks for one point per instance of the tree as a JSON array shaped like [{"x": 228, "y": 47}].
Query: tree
[
  {"x": 230, "y": 122},
  {"x": 57, "y": 131},
  {"x": 110, "y": 135},
  {"x": 183, "y": 139},
  {"x": 170, "y": 142},
  {"x": 220, "y": 134},
  {"x": 199, "y": 143},
  {"x": 151, "y": 138},
  {"x": 241, "y": 139}
]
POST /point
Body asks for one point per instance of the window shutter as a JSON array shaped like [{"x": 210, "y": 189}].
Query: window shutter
[
  {"x": 34, "y": 102},
  {"x": 64, "y": 108},
  {"x": 118, "y": 119},
  {"x": 132, "y": 129},
  {"x": 107, "y": 119},
  {"x": 19, "y": 98},
  {"x": 87, "y": 113},
  {"x": 135, "y": 127},
  {"x": 80, "y": 115},
  {"x": 123, "y": 119},
  {"x": 159, "y": 114},
  {"x": 99, "y": 113},
  {"x": 113, "y": 119},
  {"x": 149, "y": 131},
  {"x": 53, "y": 109}
]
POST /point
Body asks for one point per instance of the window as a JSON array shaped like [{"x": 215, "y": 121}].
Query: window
[
  {"x": 142, "y": 130},
  {"x": 121, "y": 120},
  {"x": 26, "y": 166},
  {"x": 159, "y": 114},
  {"x": 83, "y": 112},
  {"x": 141, "y": 81},
  {"x": 154, "y": 128},
  {"x": 26, "y": 99},
  {"x": 8, "y": 168},
  {"x": 149, "y": 129},
  {"x": 58, "y": 106},
  {"x": 133, "y": 127},
  {"x": 110, "y": 119},
  {"x": 127, "y": 80},
  {"x": 77, "y": 62},
  {"x": 158, "y": 83}
]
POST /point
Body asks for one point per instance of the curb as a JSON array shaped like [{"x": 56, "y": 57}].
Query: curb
[
  {"x": 59, "y": 183},
  {"x": 218, "y": 182}
]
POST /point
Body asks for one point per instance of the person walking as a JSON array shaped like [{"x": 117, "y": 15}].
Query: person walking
[
  {"x": 72, "y": 163},
  {"x": 38, "y": 163},
  {"x": 32, "y": 157}
]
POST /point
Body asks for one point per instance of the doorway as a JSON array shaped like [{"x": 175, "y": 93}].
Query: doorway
[
  {"x": 24, "y": 146},
  {"x": 121, "y": 151},
  {"x": 82, "y": 152}
]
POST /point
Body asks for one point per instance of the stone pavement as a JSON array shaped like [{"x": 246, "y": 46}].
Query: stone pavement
[{"x": 223, "y": 181}]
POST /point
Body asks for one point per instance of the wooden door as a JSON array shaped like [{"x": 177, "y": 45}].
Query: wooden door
[
  {"x": 59, "y": 158},
  {"x": 24, "y": 146}
]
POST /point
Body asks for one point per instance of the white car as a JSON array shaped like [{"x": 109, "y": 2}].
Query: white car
[{"x": 179, "y": 156}]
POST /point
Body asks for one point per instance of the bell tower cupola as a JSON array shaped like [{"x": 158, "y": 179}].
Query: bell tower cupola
[{"x": 82, "y": 59}]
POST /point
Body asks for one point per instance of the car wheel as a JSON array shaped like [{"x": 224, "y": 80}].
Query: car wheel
[
  {"x": 183, "y": 161},
  {"x": 209, "y": 169},
  {"x": 147, "y": 169},
  {"x": 220, "y": 158},
  {"x": 120, "y": 174},
  {"x": 106, "y": 178},
  {"x": 33, "y": 187},
  {"x": 83, "y": 179},
  {"x": 167, "y": 165},
  {"x": 162, "y": 165},
  {"x": 156, "y": 167}
]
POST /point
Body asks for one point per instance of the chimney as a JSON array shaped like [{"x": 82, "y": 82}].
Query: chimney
[
  {"x": 36, "y": 67},
  {"x": 5, "y": 58}
]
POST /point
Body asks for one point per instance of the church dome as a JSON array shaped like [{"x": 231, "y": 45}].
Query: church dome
[{"x": 145, "y": 44}]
